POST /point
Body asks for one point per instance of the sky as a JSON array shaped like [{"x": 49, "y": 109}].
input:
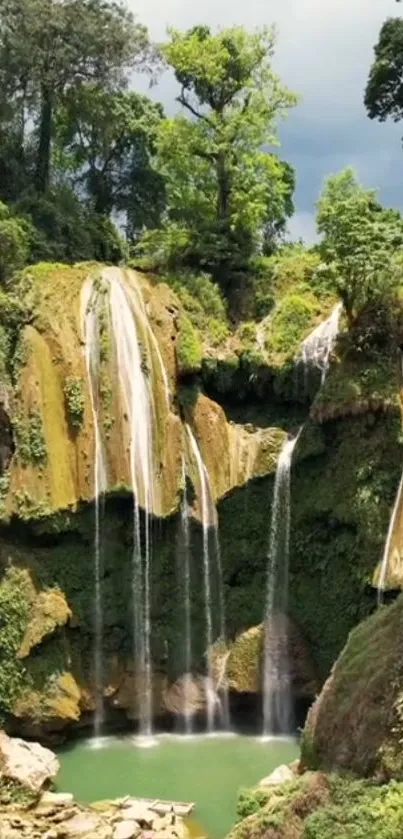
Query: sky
[{"x": 324, "y": 52}]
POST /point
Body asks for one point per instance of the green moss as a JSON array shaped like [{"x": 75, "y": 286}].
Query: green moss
[
  {"x": 30, "y": 446},
  {"x": 356, "y": 723},
  {"x": 291, "y": 320},
  {"x": 15, "y": 598},
  {"x": 251, "y": 800},
  {"x": 203, "y": 304},
  {"x": 358, "y": 384},
  {"x": 74, "y": 401},
  {"x": 49, "y": 612},
  {"x": 188, "y": 348},
  {"x": 30, "y": 509},
  {"x": 15, "y": 796},
  {"x": 358, "y": 810},
  {"x": 317, "y": 806}
]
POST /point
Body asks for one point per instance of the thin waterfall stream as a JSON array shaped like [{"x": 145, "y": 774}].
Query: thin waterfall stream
[
  {"x": 188, "y": 713},
  {"x": 277, "y": 703},
  {"x": 316, "y": 348},
  {"x": 90, "y": 333},
  {"x": 209, "y": 521}
]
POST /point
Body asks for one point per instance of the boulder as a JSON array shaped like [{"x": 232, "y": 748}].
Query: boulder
[
  {"x": 356, "y": 723},
  {"x": 139, "y": 812},
  {"x": 28, "y": 764},
  {"x": 84, "y": 826},
  {"x": 280, "y": 776},
  {"x": 126, "y": 830},
  {"x": 245, "y": 659}
]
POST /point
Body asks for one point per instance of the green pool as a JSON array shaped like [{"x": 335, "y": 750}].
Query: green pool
[{"x": 206, "y": 770}]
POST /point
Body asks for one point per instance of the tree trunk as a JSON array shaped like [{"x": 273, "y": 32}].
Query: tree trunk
[
  {"x": 44, "y": 145},
  {"x": 222, "y": 188}
]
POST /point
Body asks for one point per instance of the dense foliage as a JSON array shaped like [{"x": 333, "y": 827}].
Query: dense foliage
[
  {"x": 361, "y": 245},
  {"x": 224, "y": 193}
]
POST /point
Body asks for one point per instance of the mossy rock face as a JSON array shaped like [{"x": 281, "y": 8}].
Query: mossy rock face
[
  {"x": 356, "y": 723},
  {"x": 244, "y": 659},
  {"x": 48, "y": 612},
  {"x": 319, "y": 806}
]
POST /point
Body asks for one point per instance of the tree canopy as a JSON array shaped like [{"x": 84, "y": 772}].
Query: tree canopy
[
  {"x": 223, "y": 189},
  {"x": 384, "y": 91},
  {"x": 362, "y": 243}
]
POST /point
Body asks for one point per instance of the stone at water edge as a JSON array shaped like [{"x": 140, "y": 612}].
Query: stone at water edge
[
  {"x": 279, "y": 776},
  {"x": 139, "y": 812},
  {"x": 84, "y": 826},
  {"x": 56, "y": 799},
  {"x": 28, "y": 764},
  {"x": 126, "y": 830}
]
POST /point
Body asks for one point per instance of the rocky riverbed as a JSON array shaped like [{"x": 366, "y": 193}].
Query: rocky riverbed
[
  {"x": 58, "y": 816},
  {"x": 30, "y": 810}
]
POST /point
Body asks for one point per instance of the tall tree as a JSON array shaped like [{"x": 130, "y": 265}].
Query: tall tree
[
  {"x": 48, "y": 47},
  {"x": 384, "y": 91},
  {"x": 222, "y": 187},
  {"x": 104, "y": 141},
  {"x": 361, "y": 245}
]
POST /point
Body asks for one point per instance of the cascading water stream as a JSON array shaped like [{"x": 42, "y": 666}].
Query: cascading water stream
[
  {"x": 209, "y": 521},
  {"x": 317, "y": 347},
  {"x": 187, "y": 603},
  {"x": 392, "y": 523},
  {"x": 90, "y": 333},
  {"x": 277, "y": 706},
  {"x": 386, "y": 552},
  {"x": 222, "y": 687},
  {"x": 210, "y": 693},
  {"x": 135, "y": 391}
]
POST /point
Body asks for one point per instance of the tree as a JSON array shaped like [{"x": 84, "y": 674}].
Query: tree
[
  {"x": 104, "y": 141},
  {"x": 362, "y": 243},
  {"x": 15, "y": 235},
  {"x": 384, "y": 91},
  {"x": 48, "y": 47},
  {"x": 222, "y": 188}
]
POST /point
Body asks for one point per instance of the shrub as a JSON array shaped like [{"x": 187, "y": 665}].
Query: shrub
[
  {"x": 14, "y": 610},
  {"x": 30, "y": 442},
  {"x": 289, "y": 323},
  {"x": 188, "y": 348},
  {"x": 14, "y": 243},
  {"x": 74, "y": 400}
]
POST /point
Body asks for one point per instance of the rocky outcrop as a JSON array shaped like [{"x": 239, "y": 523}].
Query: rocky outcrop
[
  {"x": 244, "y": 663},
  {"x": 48, "y": 613},
  {"x": 58, "y": 816},
  {"x": 356, "y": 723},
  {"x": 26, "y": 765}
]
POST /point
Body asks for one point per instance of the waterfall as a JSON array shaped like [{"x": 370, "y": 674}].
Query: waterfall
[
  {"x": 316, "y": 348},
  {"x": 186, "y": 602},
  {"x": 277, "y": 710},
  {"x": 205, "y": 513},
  {"x": 139, "y": 305},
  {"x": 386, "y": 552},
  {"x": 90, "y": 333},
  {"x": 137, "y": 401},
  {"x": 222, "y": 687},
  {"x": 209, "y": 520}
]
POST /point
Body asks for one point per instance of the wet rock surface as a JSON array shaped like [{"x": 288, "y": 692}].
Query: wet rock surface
[{"x": 58, "y": 816}]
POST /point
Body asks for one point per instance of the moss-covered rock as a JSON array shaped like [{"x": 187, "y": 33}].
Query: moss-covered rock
[
  {"x": 244, "y": 659},
  {"x": 318, "y": 806},
  {"x": 356, "y": 723},
  {"x": 188, "y": 347},
  {"x": 48, "y": 612}
]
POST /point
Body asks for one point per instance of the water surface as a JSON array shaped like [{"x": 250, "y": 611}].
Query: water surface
[{"x": 206, "y": 770}]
